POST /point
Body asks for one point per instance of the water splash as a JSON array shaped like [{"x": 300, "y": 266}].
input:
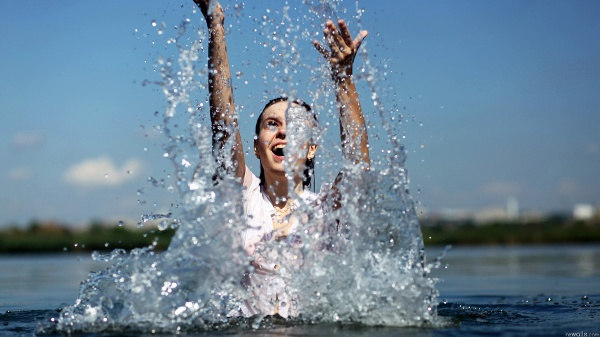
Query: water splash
[{"x": 363, "y": 263}]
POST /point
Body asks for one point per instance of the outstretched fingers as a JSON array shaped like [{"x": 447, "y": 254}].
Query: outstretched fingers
[
  {"x": 339, "y": 49},
  {"x": 341, "y": 40},
  {"x": 320, "y": 49},
  {"x": 335, "y": 39},
  {"x": 359, "y": 39},
  {"x": 345, "y": 33}
]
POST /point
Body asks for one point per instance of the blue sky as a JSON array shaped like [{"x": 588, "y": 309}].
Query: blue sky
[{"x": 500, "y": 99}]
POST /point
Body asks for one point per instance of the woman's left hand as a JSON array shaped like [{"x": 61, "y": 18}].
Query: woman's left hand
[{"x": 342, "y": 49}]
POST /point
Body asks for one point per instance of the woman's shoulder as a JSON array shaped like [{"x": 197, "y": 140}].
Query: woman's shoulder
[{"x": 250, "y": 180}]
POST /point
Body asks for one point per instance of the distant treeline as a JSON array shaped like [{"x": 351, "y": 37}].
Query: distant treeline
[
  {"x": 549, "y": 230},
  {"x": 53, "y": 237}
]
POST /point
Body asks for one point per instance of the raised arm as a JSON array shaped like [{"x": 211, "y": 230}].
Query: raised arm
[
  {"x": 355, "y": 142},
  {"x": 341, "y": 54},
  {"x": 222, "y": 109}
]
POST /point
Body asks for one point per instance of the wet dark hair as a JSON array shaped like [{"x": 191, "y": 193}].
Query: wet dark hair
[{"x": 309, "y": 170}]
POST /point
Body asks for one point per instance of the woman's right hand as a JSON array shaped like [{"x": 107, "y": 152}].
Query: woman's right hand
[
  {"x": 212, "y": 10},
  {"x": 342, "y": 49}
]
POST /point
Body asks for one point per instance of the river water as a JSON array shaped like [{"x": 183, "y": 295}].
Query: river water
[{"x": 492, "y": 291}]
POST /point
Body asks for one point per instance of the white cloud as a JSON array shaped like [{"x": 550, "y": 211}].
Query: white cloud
[
  {"x": 568, "y": 188},
  {"x": 101, "y": 171},
  {"x": 592, "y": 149},
  {"x": 500, "y": 189},
  {"x": 20, "y": 173},
  {"x": 28, "y": 139}
]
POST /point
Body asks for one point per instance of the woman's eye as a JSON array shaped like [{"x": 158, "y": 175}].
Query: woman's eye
[{"x": 271, "y": 124}]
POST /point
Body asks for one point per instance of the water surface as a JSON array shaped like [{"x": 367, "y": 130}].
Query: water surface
[{"x": 498, "y": 291}]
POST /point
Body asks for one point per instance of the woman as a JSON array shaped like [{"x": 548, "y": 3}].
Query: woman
[{"x": 268, "y": 202}]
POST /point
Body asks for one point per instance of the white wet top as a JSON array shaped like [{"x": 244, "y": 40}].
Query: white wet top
[{"x": 268, "y": 284}]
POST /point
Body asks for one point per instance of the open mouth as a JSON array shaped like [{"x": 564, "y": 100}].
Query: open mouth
[{"x": 278, "y": 150}]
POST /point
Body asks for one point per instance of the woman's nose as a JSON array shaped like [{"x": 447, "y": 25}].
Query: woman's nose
[{"x": 281, "y": 133}]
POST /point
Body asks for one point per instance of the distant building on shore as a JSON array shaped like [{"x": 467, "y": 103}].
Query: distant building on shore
[
  {"x": 583, "y": 212},
  {"x": 512, "y": 208},
  {"x": 511, "y": 212}
]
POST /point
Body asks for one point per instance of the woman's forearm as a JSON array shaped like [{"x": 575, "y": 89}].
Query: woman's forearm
[
  {"x": 340, "y": 55},
  {"x": 222, "y": 108},
  {"x": 355, "y": 142}
]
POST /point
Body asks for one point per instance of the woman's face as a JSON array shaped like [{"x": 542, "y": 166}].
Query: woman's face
[{"x": 271, "y": 142}]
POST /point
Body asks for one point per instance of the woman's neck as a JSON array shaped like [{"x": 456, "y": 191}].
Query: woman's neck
[{"x": 277, "y": 190}]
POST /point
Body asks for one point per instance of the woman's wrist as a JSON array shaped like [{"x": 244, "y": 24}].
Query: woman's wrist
[
  {"x": 216, "y": 28},
  {"x": 215, "y": 17},
  {"x": 215, "y": 22},
  {"x": 341, "y": 74}
]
